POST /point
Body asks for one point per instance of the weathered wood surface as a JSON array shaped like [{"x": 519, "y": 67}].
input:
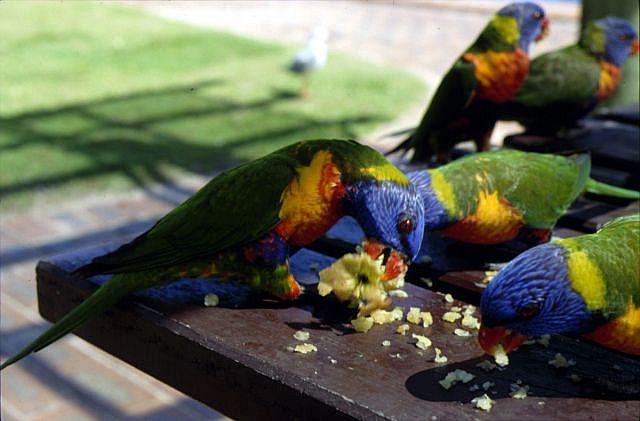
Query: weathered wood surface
[{"x": 234, "y": 357}]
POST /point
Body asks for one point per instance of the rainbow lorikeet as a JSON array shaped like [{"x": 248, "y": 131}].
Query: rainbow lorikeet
[
  {"x": 497, "y": 196},
  {"x": 587, "y": 285},
  {"x": 489, "y": 72},
  {"x": 241, "y": 224},
  {"x": 564, "y": 85}
]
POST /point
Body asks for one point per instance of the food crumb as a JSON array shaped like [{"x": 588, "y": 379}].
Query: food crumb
[
  {"x": 457, "y": 309},
  {"x": 451, "y": 316},
  {"x": 211, "y": 300},
  {"x": 469, "y": 321},
  {"x": 381, "y": 317},
  {"x": 427, "y": 319},
  {"x": 301, "y": 335},
  {"x": 461, "y": 332},
  {"x": 544, "y": 340},
  {"x": 398, "y": 293},
  {"x": 427, "y": 281},
  {"x": 402, "y": 329},
  {"x": 455, "y": 376},
  {"x": 486, "y": 365},
  {"x": 518, "y": 392},
  {"x": 362, "y": 324},
  {"x": 448, "y": 298},
  {"x": 559, "y": 361},
  {"x": 413, "y": 316},
  {"x": 422, "y": 341},
  {"x": 501, "y": 358},
  {"x": 386, "y": 343},
  {"x": 487, "y": 385},
  {"x": 483, "y": 402},
  {"x": 488, "y": 276},
  {"x": 439, "y": 358},
  {"x": 333, "y": 360},
  {"x": 305, "y": 348},
  {"x": 474, "y": 388}
]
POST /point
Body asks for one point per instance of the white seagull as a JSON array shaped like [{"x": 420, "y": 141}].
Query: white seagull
[{"x": 312, "y": 57}]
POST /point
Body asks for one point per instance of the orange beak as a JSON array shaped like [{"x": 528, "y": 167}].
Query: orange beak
[
  {"x": 394, "y": 265},
  {"x": 544, "y": 30},
  {"x": 491, "y": 337},
  {"x": 635, "y": 48}
]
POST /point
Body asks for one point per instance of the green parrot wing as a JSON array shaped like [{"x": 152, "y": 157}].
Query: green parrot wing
[
  {"x": 569, "y": 75},
  {"x": 453, "y": 95},
  {"x": 518, "y": 177},
  {"x": 237, "y": 206}
]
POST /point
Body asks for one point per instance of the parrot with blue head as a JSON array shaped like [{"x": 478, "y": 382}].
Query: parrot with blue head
[
  {"x": 489, "y": 72},
  {"x": 566, "y": 84},
  {"x": 242, "y": 223},
  {"x": 588, "y": 285}
]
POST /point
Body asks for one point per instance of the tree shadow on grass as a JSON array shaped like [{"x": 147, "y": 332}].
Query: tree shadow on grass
[{"x": 194, "y": 127}]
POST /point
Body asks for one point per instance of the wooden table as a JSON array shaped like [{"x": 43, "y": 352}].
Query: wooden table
[{"x": 237, "y": 357}]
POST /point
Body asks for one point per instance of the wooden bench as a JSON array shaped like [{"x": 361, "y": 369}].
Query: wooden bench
[{"x": 236, "y": 357}]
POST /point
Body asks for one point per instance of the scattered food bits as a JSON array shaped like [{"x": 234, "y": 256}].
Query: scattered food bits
[
  {"x": 398, "y": 293},
  {"x": 211, "y": 300},
  {"x": 483, "y": 402},
  {"x": 301, "y": 335},
  {"x": 486, "y": 365},
  {"x": 544, "y": 340},
  {"x": 402, "y": 329},
  {"x": 487, "y": 385},
  {"x": 386, "y": 343},
  {"x": 518, "y": 392},
  {"x": 469, "y": 309},
  {"x": 422, "y": 341},
  {"x": 448, "y": 298},
  {"x": 427, "y": 281},
  {"x": 396, "y": 314},
  {"x": 480, "y": 285},
  {"x": 559, "y": 361},
  {"x": 305, "y": 348},
  {"x": 469, "y": 321},
  {"x": 427, "y": 319},
  {"x": 439, "y": 358},
  {"x": 474, "y": 388},
  {"x": 451, "y": 316},
  {"x": 333, "y": 360},
  {"x": 362, "y": 324},
  {"x": 488, "y": 276},
  {"x": 381, "y": 316},
  {"x": 456, "y": 309},
  {"x": 461, "y": 332},
  {"x": 456, "y": 376},
  {"x": 413, "y": 316},
  {"x": 501, "y": 358}
]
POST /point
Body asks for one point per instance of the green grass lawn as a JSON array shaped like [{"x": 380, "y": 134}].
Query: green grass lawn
[{"x": 96, "y": 96}]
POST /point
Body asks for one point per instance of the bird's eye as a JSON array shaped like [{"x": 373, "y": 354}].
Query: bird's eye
[
  {"x": 623, "y": 37},
  {"x": 537, "y": 15},
  {"x": 405, "y": 225},
  {"x": 529, "y": 310}
]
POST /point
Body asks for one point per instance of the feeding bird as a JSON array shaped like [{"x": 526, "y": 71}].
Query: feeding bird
[
  {"x": 489, "y": 72},
  {"x": 241, "y": 224},
  {"x": 566, "y": 84},
  {"x": 311, "y": 58},
  {"x": 497, "y": 196},
  {"x": 588, "y": 285}
]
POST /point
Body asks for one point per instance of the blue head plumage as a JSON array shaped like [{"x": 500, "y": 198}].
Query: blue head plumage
[
  {"x": 389, "y": 213},
  {"x": 435, "y": 215},
  {"x": 531, "y": 21},
  {"x": 620, "y": 37},
  {"x": 532, "y": 295}
]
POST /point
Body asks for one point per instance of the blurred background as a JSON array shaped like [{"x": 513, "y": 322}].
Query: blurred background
[{"x": 112, "y": 113}]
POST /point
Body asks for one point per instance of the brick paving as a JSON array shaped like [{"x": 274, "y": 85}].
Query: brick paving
[{"x": 73, "y": 379}]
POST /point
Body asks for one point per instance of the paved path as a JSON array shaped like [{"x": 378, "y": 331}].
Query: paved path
[{"x": 74, "y": 380}]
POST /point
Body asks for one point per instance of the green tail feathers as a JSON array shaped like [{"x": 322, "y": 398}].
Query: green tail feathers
[
  {"x": 597, "y": 187},
  {"x": 104, "y": 297}
]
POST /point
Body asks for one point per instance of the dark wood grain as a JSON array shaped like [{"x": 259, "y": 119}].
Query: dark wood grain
[{"x": 234, "y": 357}]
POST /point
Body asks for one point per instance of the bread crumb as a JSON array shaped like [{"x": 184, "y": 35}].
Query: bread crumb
[
  {"x": 483, "y": 402},
  {"x": 398, "y": 293},
  {"x": 305, "y": 348},
  {"x": 362, "y": 324},
  {"x": 413, "y": 316},
  {"x": 469, "y": 309},
  {"x": 559, "y": 361},
  {"x": 211, "y": 300},
  {"x": 518, "y": 392},
  {"x": 457, "y": 309},
  {"x": 386, "y": 343},
  {"x": 301, "y": 335},
  {"x": 455, "y": 376},
  {"x": 427, "y": 281},
  {"x": 469, "y": 321},
  {"x": 461, "y": 332},
  {"x": 422, "y": 341},
  {"x": 501, "y": 358},
  {"x": 402, "y": 329},
  {"x": 439, "y": 358},
  {"x": 451, "y": 316},
  {"x": 427, "y": 319},
  {"x": 487, "y": 385},
  {"x": 448, "y": 298},
  {"x": 474, "y": 387},
  {"x": 486, "y": 365}
]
